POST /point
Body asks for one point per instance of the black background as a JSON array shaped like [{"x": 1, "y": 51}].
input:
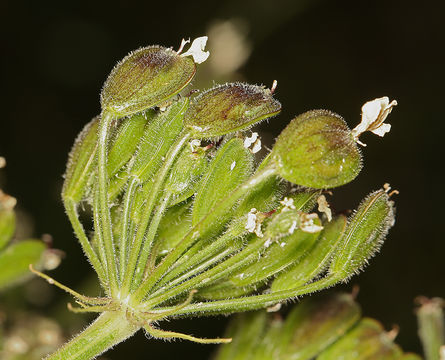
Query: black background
[{"x": 324, "y": 54}]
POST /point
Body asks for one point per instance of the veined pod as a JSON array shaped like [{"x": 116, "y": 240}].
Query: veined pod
[
  {"x": 81, "y": 160},
  {"x": 364, "y": 235},
  {"x": 229, "y": 108},
  {"x": 278, "y": 256},
  {"x": 316, "y": 259},
  {"x": 145, "y": 78},
  {"x": 126, "y": 140},
  {"x": 317, "y": 150},
  {"x": 316, "y": 323},
  {"x": 231, "y": 166},
  {"x": 185, "y": 174},
  {"x": 156, "y": 140},
  {"x": 175, "y": 223},
  {"x": 368, "y": 340}
]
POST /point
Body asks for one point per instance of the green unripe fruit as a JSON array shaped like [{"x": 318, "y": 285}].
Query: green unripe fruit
[
  {"x": 364, "y": 235},
  {"x": 81, "y": 162},
  {"x": 317, "y": 150},
  {"x": 145, "y": 78},
  {"x": 229, "y": 108}
]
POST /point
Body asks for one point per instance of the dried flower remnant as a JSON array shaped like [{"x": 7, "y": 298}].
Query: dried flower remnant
[
  {"x": 323, "y": 207},
  {"x": 2, "y": 162},
  {"x": 374, "y": 113}
]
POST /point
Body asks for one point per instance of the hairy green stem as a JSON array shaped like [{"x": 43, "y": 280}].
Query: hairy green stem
[
  {"x": 255, "y": 302},
  {"x": 108, "y": 330},
  {"x": 146, "y": 248},
  {"x": 71, "y": 210},
  {"x": 104, "y": 210}
]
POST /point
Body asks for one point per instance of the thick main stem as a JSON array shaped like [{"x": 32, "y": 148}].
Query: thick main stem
[{"x": 108, "y": 330}]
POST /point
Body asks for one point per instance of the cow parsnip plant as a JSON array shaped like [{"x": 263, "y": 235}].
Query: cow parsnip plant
[{"x": 185, "y": 223}]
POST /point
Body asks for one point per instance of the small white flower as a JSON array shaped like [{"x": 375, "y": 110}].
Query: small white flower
[
  {"x": 253, "y": 224},
  {"x": 253, "y": 140},
  {"x": 251, "y": 220},
  {"x": 256, "y": 147},
  {"x": 287, "y": 204},
  {"x": 374, "y": 113},
  {"x": 196, "y": 50},
  {"x": 194, "y": 144},
  {"x": 267, "y": 243},
  {"x": 250, "y": 140}
]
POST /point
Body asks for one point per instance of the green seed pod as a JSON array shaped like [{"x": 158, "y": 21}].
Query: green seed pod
[
  {"x": 365, "y": 340},
  {"x": 175, "y": 223},
  {"x": 231, "y": 166},
  {"x": 126, "y": 141},
  {"x": 145, "y": 78},
  {"x": 7, "y": 218},
  {"x": 317, "y": 150},
  {"x": 315, "y": 261},
  {"x": 364, "y": 235},
  {"x": 229, "y": 108},
  {"x": 316, "y": 323},
  {"x": 187, "y": 170},
  {"x": 159, "y": 134},
  {"x": 81, "y": 162},
  {"x": 247, "y": 330},
  {"x": 277, "y": 257}
]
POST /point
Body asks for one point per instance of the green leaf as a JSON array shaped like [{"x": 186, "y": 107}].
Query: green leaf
[
  {"x": 228, "y": 108},
  {"x": 230, "y": 168},
  {"x": 316, "y": 260},
  {"x": 145, "y": 78},
  {"x": 366, "y": 340},
  {"x": 317, "y": 150},
  {"x": 15, "y": 261},
  {"x": 81, "y": 162},
  {"x": 364, "y": 235}
]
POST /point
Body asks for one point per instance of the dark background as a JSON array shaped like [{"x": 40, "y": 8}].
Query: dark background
[{"x": 324, "y": 54}]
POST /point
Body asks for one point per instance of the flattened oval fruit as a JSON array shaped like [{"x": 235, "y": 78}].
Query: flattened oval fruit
[
  {"x": 229, "y": 108},
  {"x": 145, "y": 78},
  {"x": 317, "y": 150}
]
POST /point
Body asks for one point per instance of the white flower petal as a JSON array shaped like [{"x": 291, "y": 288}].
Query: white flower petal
[
  {"x": 196, "y": 50},
  {"x": 374, "y": 113}
]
